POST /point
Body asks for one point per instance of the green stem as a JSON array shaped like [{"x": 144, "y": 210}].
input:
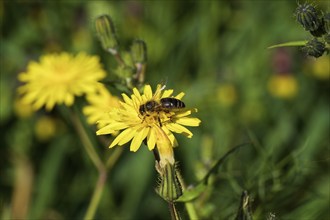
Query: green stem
[
  {"x": 97, "y": 194},
  {"x": 103, "y": 168},
  {"x": 174, "y": 213},
  {"x": 113, "y": 158},
  {"x": 87, "y": 143},
  {"x": 189, "y": 205},
  {"x": 118, "y": 58}
]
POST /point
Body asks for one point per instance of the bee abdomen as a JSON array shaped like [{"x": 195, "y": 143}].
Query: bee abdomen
[{"x": 172, "y": 103}]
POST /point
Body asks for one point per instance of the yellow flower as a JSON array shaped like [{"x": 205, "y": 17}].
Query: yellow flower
[
  {"x": 57, "y": 78},
  {"x": 156, "y": 127},
  {"x": 45, "y": 128},
  {"x": 21, "y": 109},
  {"x": 227, "y": 94},
  {"x": 320, "y": 68},
  {"x": 101, "y": 102},
  {"x": 283, "y": 86}
]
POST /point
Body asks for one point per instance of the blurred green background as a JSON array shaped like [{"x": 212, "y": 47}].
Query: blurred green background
[{"x": 214, "y": 51}]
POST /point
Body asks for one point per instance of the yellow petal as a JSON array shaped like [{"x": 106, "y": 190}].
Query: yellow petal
[
  {"x": 179, "y": 129},
  {"x": 117, "y": 126},
  {"x": 188, "y": 121},
  {"x": 180, "y": 95},
  {"x": 164, "y": 147},
  {"x": 137, "y": 94},
  {"x": 184, "y": 113},
  {"x": 170, "y": 136},
  {"x": 151, "y": 139},
  {"x": 127, "y": 99},
  {"x": 123, "y": 135},
  {"x": 127, "y": 137},
  {"x": 148, "y": 92},
  {"x": 167, "y": 93},
  {"x": 138, "y": 138}
]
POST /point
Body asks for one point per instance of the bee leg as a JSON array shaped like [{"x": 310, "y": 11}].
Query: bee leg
[{"x": 159, "y": 121}]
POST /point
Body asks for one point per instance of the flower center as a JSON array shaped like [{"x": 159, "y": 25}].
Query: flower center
[{"x": 158, "y": 117}]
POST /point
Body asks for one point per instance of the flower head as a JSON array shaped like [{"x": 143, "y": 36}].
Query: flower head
[
  {"x": 283, "y": 86},
  {"x": 156, "y": 126},
  {"x": 58, "y": 78},
  {"x": 100, "y": 103}
]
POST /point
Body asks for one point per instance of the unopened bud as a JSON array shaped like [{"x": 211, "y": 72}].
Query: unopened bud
[
  {"x": 139, "y": 51},
  {"x": 125, "y": 72},
  {"x": 320, "y": 30},
  {"x": 170, "y": 187},
  {"x": 105, "y": 31},
  {"x": 307, "y": 16},
  {"x": 314, "y": 48},
  {"x": 326, "y": 38},
  {"x": 326, "y": 19}
]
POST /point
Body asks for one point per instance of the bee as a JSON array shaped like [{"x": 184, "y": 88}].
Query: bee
[{"x": 164, "y": 105}]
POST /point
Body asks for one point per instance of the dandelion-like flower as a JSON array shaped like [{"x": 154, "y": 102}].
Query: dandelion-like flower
[
  {"x": 100, "y": 103},
  {"x": 58, "y": 78},
  {"x": 156, "y": 127}
]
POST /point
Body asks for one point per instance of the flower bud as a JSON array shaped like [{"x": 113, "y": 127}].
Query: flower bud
[
  {"x": 169, "y": 187},
  {"x": 314, "y": 48},
  {"x": 307, "y": 16},
  {"x": 139, "y": 51},
  {"x": 105, "y": 31},
  {"x": 320, "y": 30},
  {"x": 326, "y": 38},
  {"x": 326, "y": 19}
]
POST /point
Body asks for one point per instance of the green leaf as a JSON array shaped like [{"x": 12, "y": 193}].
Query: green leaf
[
  {"x": 193, "y": 193},
  {"x": 290, "y": 44}
]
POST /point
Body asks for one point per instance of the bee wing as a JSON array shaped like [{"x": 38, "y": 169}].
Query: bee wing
[{"x": 158, "y": 91}]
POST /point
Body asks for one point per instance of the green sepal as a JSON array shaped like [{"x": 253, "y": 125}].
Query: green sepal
[
  {"x": 169, "y": 187},
  {"x": 139, "y": 51},
  {"x": 290, "y": 44},
  {"x": 105, "y": 31}
]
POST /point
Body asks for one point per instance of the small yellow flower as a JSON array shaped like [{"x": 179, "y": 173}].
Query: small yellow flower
[
  {"x": 101, "y": 102},
  {"x": 283, "y": 86},
  {"x": 45, "y": 128},
  {"x": 321, "y": 68},
  {"x": 227, "y": 94},
  {"x": 156, "y": 127},
  {"x": 58, "y": 78},
  {"x": 22, "y": 110}
]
